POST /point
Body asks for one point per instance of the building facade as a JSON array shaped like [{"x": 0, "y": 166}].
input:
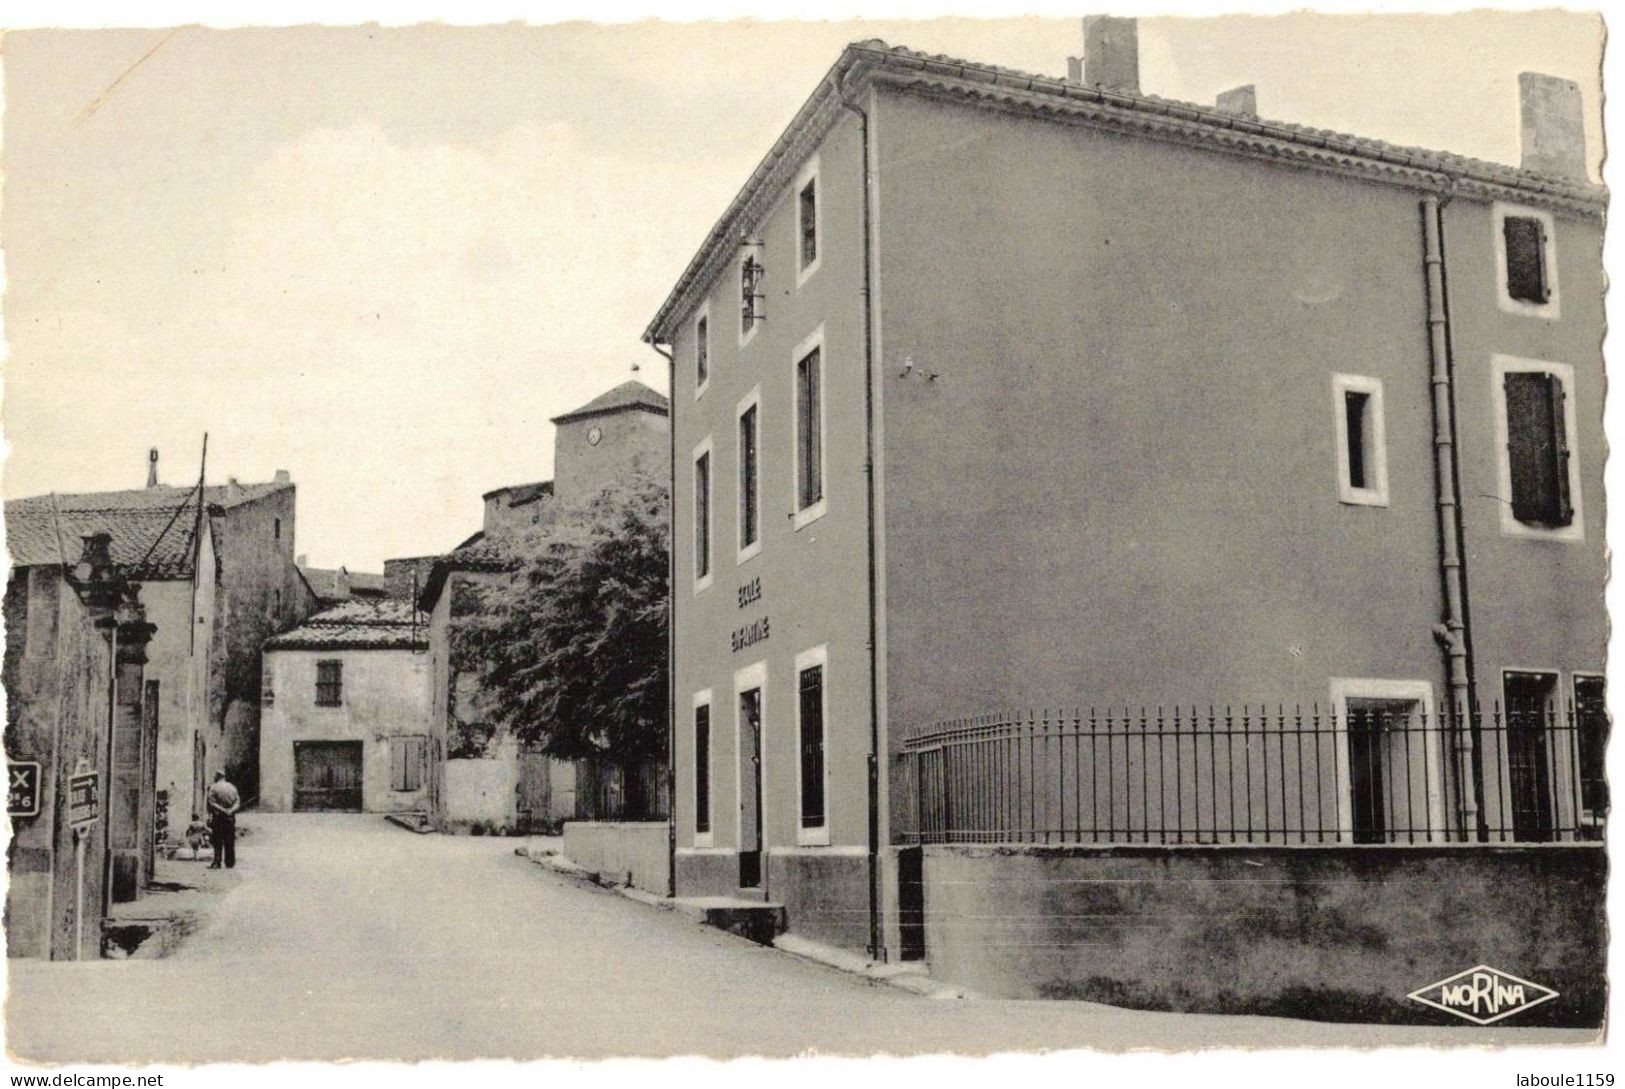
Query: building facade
[
  {"x": 995, "y": 390},
  {"x": 345, "y": 712}
]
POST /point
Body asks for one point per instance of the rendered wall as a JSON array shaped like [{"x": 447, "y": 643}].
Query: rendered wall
[
  {"x": 481, "y": 791},
  {"x": 1337, "y": 934},
  {"x": 623, "y": 852}
]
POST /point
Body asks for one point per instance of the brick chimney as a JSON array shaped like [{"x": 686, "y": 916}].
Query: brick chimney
[
  {"x": 282, "y": 477},
  {"x": 1111, "y": 53},
  {"x": 1241, "y": 101},
  {"x": 152, "y": 467},
  {"x": 1553, "y": 125}
]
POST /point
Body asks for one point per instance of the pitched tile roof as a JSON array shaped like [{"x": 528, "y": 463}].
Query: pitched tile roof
[
  {"x": 341, "y": 584},
  {"x": 627, "y": 395},
  {"x": 951, "y": 79},
  {"x": 520, "y": 494},
  {"x": 358, "y": 625},
  {"x": 150, "y": 541},
  {"x": 475, "y": 554}
]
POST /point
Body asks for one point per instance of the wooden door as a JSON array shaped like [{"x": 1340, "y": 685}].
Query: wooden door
[{"x": 327, "y": 776}]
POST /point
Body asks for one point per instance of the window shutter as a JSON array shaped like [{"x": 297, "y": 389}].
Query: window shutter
[
  {"x": 1537, "y": 451},
  {"x": 397, "y": 764},
  {"x": 1525, "y": 239}
]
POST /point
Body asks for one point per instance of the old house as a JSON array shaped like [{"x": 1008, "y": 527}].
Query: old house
[
  {"x": 345, "y": 711},
  {"x": 483, "y": 778},
  {"x": 997, "y": 390},
  {"x": 80, "y": 737}
]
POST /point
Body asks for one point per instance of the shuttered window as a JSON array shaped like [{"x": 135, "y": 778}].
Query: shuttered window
[
  {"x": 812, "y": 747},
  {"x": 749, "y": 522},
  {"x": 1591, "y": 722},
  {"x": 1525, "y": 239},
  {"x": 809, "y": 429},
  {"x": 1537, "y": 450},
  {"x": 702, "y": 768},
  {"x": 702, "y": 515},
  {"x": 329, "y": 684},
  {"x": 406, "y": 756}
]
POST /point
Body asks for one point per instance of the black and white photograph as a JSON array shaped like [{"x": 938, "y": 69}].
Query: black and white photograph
[{"x": 796, "y": 534}]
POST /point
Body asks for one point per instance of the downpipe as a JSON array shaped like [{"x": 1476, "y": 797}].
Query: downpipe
[
  {"x": 1452, "y": 634},
  {"x": 671, "y": 627}
]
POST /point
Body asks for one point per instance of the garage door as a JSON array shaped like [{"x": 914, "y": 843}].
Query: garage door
[{"x": 327, "y": 775}]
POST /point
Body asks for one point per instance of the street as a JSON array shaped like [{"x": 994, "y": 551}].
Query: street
[{"x": 346, "y": 937}]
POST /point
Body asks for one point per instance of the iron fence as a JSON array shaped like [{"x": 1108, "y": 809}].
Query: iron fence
[
  {"x": 608, "y": 790},
  {"x": 1374, "y": 773}
]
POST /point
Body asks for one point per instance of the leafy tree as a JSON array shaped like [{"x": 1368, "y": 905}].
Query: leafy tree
[{"x": 571, "y": 647}]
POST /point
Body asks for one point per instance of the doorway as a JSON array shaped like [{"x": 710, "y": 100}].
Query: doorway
[
  {"x": 750, "y": 789},
  {"x": 327, "y": 776},
  {"x": 1529, "y": 700}
]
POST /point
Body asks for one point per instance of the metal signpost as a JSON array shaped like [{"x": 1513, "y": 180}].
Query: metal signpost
[{"x": 84, "y": 807}]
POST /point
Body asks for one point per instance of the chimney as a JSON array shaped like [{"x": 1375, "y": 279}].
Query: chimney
[
  {"x": 302, "y": 560},
  {"x": 1553, "y": 126},
  {"x": 1111, "y": 53},
  {"x": 96, "y": 550},
  {"x": 152, "y": 467},
  {"x": 234, "y": 490},
  {"x": 282, "y": 477},
  {"x": 1241, "y": 101}
]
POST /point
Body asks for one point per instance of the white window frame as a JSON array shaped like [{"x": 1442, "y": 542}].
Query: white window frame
[
  {"x": 1586, "y": 818},
  {"x": 1376, "y": 493},
  {"x": 806, "y": 516},
  {"x": 743, "y": 551},
  {"x": 1551, "y": 308},
  {"x": 705, "y": 448},
  {"x": 746, "y": 678},
  {"x": 809, "y": 172},
  {"x": 813, "y": 656},
  {"x": 710, "y": 360},
  {"x": 1500, "y": 367},
  {"x": 1344, "y": 689},
  {"x": 745, "y": 337},
  {"x": 703, "y": 698}
]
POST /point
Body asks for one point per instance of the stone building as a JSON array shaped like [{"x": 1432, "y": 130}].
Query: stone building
[
  {"x": 345, "y": 711},
  {"x": 993, "y": 389},
  {"x": 480, "y": 777},
  {"x": 80, "y": 737}
]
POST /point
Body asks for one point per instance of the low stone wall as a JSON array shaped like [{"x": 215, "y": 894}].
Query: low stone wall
[
  {"x": 622, "y": 852},
  {"x": 1329, "y": 933},
  {"x": 480, "y": 793}
]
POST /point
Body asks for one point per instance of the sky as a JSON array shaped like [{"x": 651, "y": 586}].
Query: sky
[{"x": 383, "y": 258}]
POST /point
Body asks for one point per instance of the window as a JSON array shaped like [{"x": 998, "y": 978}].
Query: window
[
  {"x": 702, "y": 767},
  {"x": 1525, "y": 258},
  {"x": 276, "y": 528},
  {"x": 810, "y": 735},
  {"x": 702, "y": 516},
  {"x": 1529, "y": 713},
  {"x": 750, "y": 522},
  {"x": 329, "y": 684},
  {"x": 809, "y": 381},
  {"x": 1539, "y": 480},
  {"x": 807, "y": 222},
  {"x": 406, "y": 762},
  {"x": 267, "y": 688},
  {"x": 702, "y": 352},
  {"x": 750, "y": 295},
  {"x": 1362, "y": 457},
  {"x": 1591, "y": 727}
]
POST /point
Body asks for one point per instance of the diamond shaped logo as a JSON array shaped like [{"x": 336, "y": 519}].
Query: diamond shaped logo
[{"x": 1483, "y": 995}]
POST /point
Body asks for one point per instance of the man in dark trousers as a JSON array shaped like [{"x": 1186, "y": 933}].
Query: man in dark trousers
[{"x": 223, "y": 804}]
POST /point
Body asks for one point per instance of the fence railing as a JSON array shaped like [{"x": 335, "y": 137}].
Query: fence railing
[
  {"x": 1377, "y": 773},
  {"x": 612, "y": 791}
]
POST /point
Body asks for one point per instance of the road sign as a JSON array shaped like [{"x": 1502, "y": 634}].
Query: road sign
[
  {"x": 22, "y": 790},
  {"x": 84, "y": 798}
]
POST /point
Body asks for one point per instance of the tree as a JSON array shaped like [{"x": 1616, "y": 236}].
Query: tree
[{"x": 571, "y": 646}]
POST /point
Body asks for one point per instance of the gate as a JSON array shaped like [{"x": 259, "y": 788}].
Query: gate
[{"x": 327, "y": 776}]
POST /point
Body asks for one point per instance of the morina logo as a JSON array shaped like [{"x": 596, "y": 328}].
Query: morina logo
[{"x": 1483, "y": 995}]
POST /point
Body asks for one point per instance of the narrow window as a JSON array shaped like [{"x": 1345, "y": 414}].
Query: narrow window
[
  {"x": 1357, "y": 425},
  {"x": 702, "y": 769},
  {"x": 812, "y": 746},
  {"x": 276, "y": 528},
  {"x": 1537, "y": 449},
  {"x": 329, "y": 684},
  {"x": 1525, "y": 240},
  {"x": 406, "y": 762},
  {"x": 267, "y": 687},
  {"x": 1591, "y": 728},
  {"x": 1526, "y": 728},
  {"x": 702, "y": 351},
  {"x": 809, "y": 430},
  {"x": 1362, "y": 458},
  {"x": 749, "y": 522},
  {"x": 808, "y": 214},
  {"x": 702, "y": 516},
  {"x": 750, "y": 294}
]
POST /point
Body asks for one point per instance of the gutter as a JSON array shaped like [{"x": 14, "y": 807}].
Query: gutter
[
  {"x": 877, "y": 948},
  {"x": 671, "y": 626}
]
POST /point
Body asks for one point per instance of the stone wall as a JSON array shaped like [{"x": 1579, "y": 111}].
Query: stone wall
[
  {"x": 1333, "y": 933},
  {"x": 622, "y": 852}
]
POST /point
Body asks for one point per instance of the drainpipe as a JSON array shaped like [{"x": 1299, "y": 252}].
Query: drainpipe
[
  {"x": 1453, "y": 633},
  {"x": 671, "y": 627},
  {"x": 877, "y": 948}
]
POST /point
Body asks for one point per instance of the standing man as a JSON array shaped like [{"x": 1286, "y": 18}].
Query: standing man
[{"x": 223, "y": 804}]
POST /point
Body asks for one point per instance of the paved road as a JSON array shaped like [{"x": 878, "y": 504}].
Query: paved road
[{"x": 346, "y": 937}]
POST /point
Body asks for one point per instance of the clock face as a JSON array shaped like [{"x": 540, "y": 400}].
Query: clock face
[{"x": 594, "y": 435}]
